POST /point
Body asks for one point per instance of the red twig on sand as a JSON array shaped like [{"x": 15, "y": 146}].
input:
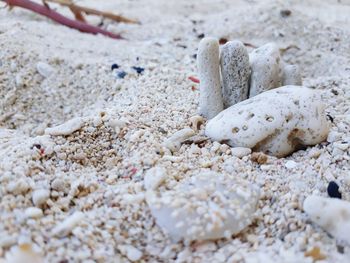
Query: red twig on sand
[{"x": 45, "y": 11}]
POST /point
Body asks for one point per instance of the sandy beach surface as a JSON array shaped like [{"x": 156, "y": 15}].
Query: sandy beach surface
[{"x": 79, "y": 195}]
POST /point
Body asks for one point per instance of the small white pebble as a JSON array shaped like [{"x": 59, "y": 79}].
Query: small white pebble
[
  {"x": 240, "y": 151},
  {"x": 44, "y": 69},
  {"x": 290, "y": 164},
  {"x": 33, "y": 212},
  {"x": 130, "y": 252},
  {"x": 40, "y": 197}
]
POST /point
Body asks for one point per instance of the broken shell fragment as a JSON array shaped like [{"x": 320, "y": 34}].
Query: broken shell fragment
[{"x": 205, "y": 206}]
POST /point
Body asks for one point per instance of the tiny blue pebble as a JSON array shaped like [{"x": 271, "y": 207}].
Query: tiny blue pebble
[
  {"x": 333, "y": 190},
  {"x": 114, "y": 66},
  {"x": 122, "y": 74},
  {"x": 139, "y": 70}
]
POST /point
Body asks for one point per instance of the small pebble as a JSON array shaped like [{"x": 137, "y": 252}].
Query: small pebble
[
  {"x": 139, "y": 70},
  {"x": 132, "y": 253},
  {"x": 333, "y": 190},
  {"x": 285, "y": 13},
  {"x": 240, "y": 151},
  {"x": 114, "y": 66},
  {"x": 121, "y": 74},
  {"x": 33, "y": 212},
  {"x": 44, "y": 69},
  {"x": 40, "y": 197},
  {"x": 290, "y": 164}
]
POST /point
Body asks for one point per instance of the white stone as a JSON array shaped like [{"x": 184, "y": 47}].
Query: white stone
[
  {"x": 40, "y": 197},
  {"x": 290, "y": 164},
  {"x": 240, "y": 151},
  {"x": 235, "y": 72},
  {"x": 66, "y": 128},
  {"x": 203, "y": 207},
  {"x": 276, "y": 122},
  {"x": 174, "y": 142},
  {"x": 208, "y": 62},
  {"x": 332, "y": 214},
  {"x": 132, "y": 253},
  {"x": 291, "y": 75},
  {"x": 266, "y": 70},
  {"x": 44, "y": 69},
  {"x": 33, "y": 212},
  {"x": 154, "y": 177},
  {"x": 65, "y": 227},
  {"x": 341, "y": 146}
]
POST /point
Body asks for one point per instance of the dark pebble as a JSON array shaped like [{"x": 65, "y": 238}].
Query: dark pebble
[
  {"x": 139, "y": 70},
  {"x": 38, "y": 146},
  {"x": 121, "y": 74},
  {"x": 223, "y": 41},
  {"x": 114, "y": 66},
  {"x": 330, "y": 118},
  {"x": 333, "y": 190},
  {"x": 200, "y": 36},
  {"x": 285, "y": 13}
]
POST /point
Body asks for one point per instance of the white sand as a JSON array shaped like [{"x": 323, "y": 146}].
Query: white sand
[{"x": 99, "y": 169}]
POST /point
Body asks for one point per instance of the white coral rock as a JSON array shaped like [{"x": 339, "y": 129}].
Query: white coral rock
[
  {"x": 266, "y": 72},
  {"x": 276, "y": 122},
  {"x": 332, "y": 214},
  {"x": 235, "y": 72},
  {"x": 208, "y": 61},
  {"x": 205, "y": 206}
]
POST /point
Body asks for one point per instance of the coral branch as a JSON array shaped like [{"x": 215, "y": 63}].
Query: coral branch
[
  {"x": 90, "y": 11},
  {"x": 45, "y": 11}
]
